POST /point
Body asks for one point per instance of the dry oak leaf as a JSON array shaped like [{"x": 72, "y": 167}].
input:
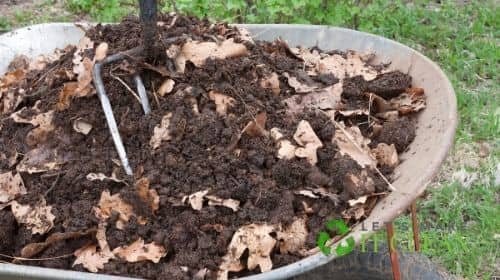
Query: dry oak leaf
[
  {"x": 161, "y": 132},
  {"x": 257, "y": 127},
  {"x": 352, "y": 143},
  {"x": 293, "y": 238},
  {"x": 305, "y": 137},
  {"x": 113, "y": 203},
  {"x": 39, "y": 219},
  {"x": 411, "y": 101},
  {"x": 81, "y": 126},
  {"x": 199, "y": 52},
  {"x": 138, "y": 251},
  {"x": 91, "y": 259},
  {"x": 147, "y": 195},
  {"x": 259, "y": 243},
  {"x": 32, "y": 249},
  {"x": 298, "y": 86},
  {"x": 11, "y": 187},
  {"x": 166, "y": 87},
  {"x": 324, "y": 99},
  {"x": 359, "y": 184},
  {"x": 271, "y": 82},
  {"x": 41, "y": 121},
  {"x": 286, "y": 150},
  {"x": 39, "y": 160},
  {"x": 222, "y": 102},
  {"x": 353, "y": 65},
  {"x": 386, "y": 155},
  {"x": 359, "y": 200},
  {"x": 228, "y": 202}
]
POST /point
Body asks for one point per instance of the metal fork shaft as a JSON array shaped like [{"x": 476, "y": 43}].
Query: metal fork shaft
[{"x": 148, "y": 22}]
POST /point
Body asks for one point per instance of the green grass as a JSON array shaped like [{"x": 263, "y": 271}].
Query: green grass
[{"x": 458, "y": 224}]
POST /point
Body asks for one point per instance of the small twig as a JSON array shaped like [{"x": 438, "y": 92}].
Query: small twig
[
  {"x": 39, "y": 259},
  {"x": 48, "y": 175},
  {"x": 154, "y": 94},
  {"x": 52, "y": 186},
  {"x": 126, "y": 86}
]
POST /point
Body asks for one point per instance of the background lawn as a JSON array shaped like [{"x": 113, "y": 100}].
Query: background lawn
[{"x": 459, "y": 216}]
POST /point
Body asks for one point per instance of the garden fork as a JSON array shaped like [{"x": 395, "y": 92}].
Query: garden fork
[{"x": 148, "y": 10}]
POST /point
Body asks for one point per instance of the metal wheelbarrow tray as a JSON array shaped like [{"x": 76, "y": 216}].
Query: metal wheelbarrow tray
[{"x": 420, "y": 163}]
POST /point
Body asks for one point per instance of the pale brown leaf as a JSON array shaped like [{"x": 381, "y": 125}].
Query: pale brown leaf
[
  {"x": 352, "y": 143},
  {"x": 102, "y": 177},
  {"x": 386, "y": 155},
  {"x": 298, "y": 86},
  {"x": 166, "y": 87},
  {"x": 293, "y": 238},
  {"x": 81, "y": 126},
  {"x": 11, "y": 187},
  {"x": 196, "y": 199},
  {"x": 222, "y": 102},
  {"x": 286, "y": 150},
  {"x": 359, "y": 184},
  {"x": 324, "y": 99},
  {"x": 271, "y": 82},
  {"x": 411, "y": 101},
  {"x": 309, "y": 142},
  {"x": 257, "y": 127},
  {"x": 147, "y": 195},
  {"x": 113, "y": 203},
  {"x": 138, "y": 251},
  {"x": 39, "y": 219},
  {"x": 161, "y": 132},
  {"x": 101, "y": 52},
  {"x": 228, "y": 202},
  {"x": 91, "y": 259},
  {"x": 40, "y": 159}
]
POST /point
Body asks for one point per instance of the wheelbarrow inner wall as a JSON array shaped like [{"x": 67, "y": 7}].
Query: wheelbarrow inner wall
[{"x": 434, "y": 135}]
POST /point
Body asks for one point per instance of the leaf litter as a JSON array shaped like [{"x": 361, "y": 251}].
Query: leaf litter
[{"x": 249, "y": 148}]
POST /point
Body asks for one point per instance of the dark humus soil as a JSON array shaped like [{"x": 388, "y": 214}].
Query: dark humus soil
[{"x": 254, "y": 140}]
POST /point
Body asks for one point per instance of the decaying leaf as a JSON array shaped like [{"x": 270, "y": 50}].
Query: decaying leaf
[
  {"x": 166, "y": 87},
  {"x": 293, "y": 238},
  {"x": 324, "y": 99},
  {"x": 41, "y": 121},
  {"x": 307, "y": 193},
  {"x": 411, "y": 101},
  {"x": 359, "y": 184},
  {"x": 319, "y": 192},
  {"x": 161, "y": 132},
  {"x": 309, "y": 142},
  {"x": 33, "y": 249},
  {"x": 65, "y": 95},
  {"x": 228, "y": 202},
  {"x": 286, "y": 150},
  {"x": 11, "y": 187},
  {"x": 101, "y": 52},
  {"x": 198, "y": 52},
  {"x": 138, "y": 251},
  {"x": 113, "y": 203},
  {"x": 222, "y": 102},
  {"x": 196, "y": 199},
  {"x": 386, "y": 155},
  {"x": 259, "y": 243},
  {"x": 298, "y": 86},
  {"x": 356, "y": 212},
  {"x": 147, "y": 195},
  {"x": 40, "y": 159},
  {"x": 359, "y": 200},
  {"x": 257, "y": 127},
  {"x": 352, "y": 143},
  {"x": 92, "y": 259},
  {"x": 81, "y": 126},
  {"x": 102, "y": 177},
  {"x": 271, "y": 82},
  {"x": 39, "y": 219}
]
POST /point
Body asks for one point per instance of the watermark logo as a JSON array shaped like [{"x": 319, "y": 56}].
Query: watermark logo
[{"x": 341, "y": 228}]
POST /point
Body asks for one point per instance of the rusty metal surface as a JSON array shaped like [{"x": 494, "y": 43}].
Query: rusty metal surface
[{"x": 420, "y": 163}]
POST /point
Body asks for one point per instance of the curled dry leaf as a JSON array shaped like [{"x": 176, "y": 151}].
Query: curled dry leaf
[
  {"x": 33, "y": 249},
  {"x": 81, "y": 126},
  {"x": 353, "y": 65},
  {"x": 271, "y": 82},
  {"x": 222, "y": 102},
  {"x": 257, "y": 127},
  {"x": 41, "y": 121},
  {"x": 305, "y": 137},
  {"x": 101, "y": 52},
  {"x": 298, "y": 86},
  {"x": 199, "y": 52},
  {"x": 259, "y": 243},
  {"x": 147, "y": 195},
  {"x": 39, "y": 160},
  {"x": 228, "y": 202},
  {"x": 293, "y": 238},
  {"x": 352, "y": 143},
  {"x": 138, "y": 251},
  {"x": 196, "y": 199},
  {"x": 102, "y": 177},
  {"x": 286, "y": 150},
  {"x": 411, "y": 101},
  {"x": 319, "y": 192},
  {"x": 166, "y": 87},
  {"x": 39, "y": 219},
  {"x": 113, "y": 203},
  {"x": 11, "y": 187},
  {"x": 307, "y": 193},
  {"x": 324, "y": 99},
  {"x": 161, "y": 132},
  {"x": 386, "y": 155},
  {"x": 356, "y": 212}
]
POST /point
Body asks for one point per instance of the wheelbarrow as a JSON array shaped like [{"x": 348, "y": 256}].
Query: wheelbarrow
[{"x": 420, "y": 163}]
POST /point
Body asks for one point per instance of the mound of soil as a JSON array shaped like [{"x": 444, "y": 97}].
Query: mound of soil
[{"x": 250, "y": 148}]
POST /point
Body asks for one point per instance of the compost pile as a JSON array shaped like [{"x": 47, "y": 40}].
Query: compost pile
[{"x": 250, "y": 148}]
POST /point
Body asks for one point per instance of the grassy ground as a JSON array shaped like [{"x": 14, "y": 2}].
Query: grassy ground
[{"x": 459, "y": 221}]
